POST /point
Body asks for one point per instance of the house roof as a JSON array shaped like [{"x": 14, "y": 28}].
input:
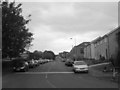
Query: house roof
[
  {"x": 96, "y": 40},
  {"x": 116, "y": 29}
]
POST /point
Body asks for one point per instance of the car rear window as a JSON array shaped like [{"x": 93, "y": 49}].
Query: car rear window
[{"x": 80, "y": 63}]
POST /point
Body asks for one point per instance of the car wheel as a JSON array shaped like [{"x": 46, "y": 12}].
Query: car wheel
[{"x": 75, "y": 72}]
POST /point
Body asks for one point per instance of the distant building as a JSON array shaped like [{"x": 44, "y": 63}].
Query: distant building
[
  {"x": 93, "y": 45},
  {"x": 92, "y": 50},
  {"x": 103, "y": 47},
  {"x": 64, "y": 54},
  {"x": 87, "y": 51},
  {"x": 77, "y": 52}
]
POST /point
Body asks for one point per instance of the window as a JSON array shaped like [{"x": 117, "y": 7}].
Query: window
[
  {"x": 105, "y": 40},
  {"x": 80, "y": 63},
  {"x": 101, "y": 42},
  {"x": 95, "y": 45},
  {"x": 82, "y": 51}
]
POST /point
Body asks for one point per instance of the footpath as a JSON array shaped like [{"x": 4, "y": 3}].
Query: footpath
[{"x": 97, "y": 71}]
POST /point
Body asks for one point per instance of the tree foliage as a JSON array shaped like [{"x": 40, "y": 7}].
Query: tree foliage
[
  {"x": 37, "y": 54},
  {"x": 48, "y": 55},
  {"x": 15, "y": 34}
]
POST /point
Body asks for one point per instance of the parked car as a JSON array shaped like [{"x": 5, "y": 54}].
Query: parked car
[
  {"x": 31, "y": 63},
  {"x": 45, "y": 60},
  {"x": 36, "y": 62},
  {"x": 41, "y": 61},
  {"x": 63, "y": 59},
  {"x": 48, "y": 60},
  {"x": 80, "y": 66},
  {"x": 20, "y": 65},
  {"x": 69, "y": 63}
]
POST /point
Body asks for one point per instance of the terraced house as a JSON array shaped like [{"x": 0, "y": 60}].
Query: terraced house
[
  {"x": 77, "y": 52},
  {"x": 104, "y": 47},
  {"x": 113, "y": 43}
]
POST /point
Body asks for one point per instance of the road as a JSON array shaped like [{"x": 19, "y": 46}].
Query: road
[{"x": 54, "y": 75}]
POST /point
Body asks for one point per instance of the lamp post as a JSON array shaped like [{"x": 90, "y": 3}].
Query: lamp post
[
  {"x": 75, "y": 54},
  {"x": 72, "y": 43}
]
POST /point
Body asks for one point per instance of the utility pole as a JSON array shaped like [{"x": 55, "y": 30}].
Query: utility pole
[
  {"x": 75, "y": 54},
  {"x": 75, "y": 50}
]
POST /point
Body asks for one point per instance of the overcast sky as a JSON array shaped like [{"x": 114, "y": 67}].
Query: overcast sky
[{"x": 54, "y": 23}]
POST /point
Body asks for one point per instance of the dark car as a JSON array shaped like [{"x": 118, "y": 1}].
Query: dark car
[
  {"x": 69, "y": 63},
  {"x": 20, "y": 65}
]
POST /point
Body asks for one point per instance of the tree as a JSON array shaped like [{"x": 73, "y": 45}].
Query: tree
[
  {"x": 31, "y": 56},
  {"x": 37, "y": 54},
  {"x": 15, "y": 34},
  {"x": 48, "y": 55}
]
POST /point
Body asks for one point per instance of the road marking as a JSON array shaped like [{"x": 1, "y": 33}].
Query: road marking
[
  {"x": 46, "y": 76},
  {"x": 53, "y": 86},
  {"x": 45, "y": 73}
]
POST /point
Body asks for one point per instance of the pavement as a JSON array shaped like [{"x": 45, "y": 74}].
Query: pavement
[
  {"x": 97, "y": 70},
  {"x": 55, "y": 75}
]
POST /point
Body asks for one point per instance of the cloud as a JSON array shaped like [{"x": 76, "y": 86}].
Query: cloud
[
  {"x": 71, "y": 17},
  {"x": 54, "y": 22}
]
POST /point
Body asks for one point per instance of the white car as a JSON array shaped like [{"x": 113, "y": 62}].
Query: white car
[
  {"x": 80, "y": 66},
  {"x": 36, "y": 62}
]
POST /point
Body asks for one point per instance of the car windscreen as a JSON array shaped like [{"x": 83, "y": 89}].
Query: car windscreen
[{"x": 79, "y": 63}]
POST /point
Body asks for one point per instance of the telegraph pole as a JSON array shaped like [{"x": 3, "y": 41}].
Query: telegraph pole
[{"x": 75, "y": 54}]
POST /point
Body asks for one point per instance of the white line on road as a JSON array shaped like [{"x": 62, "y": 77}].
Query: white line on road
[
  {"x": 53, "y": 86},
  {"x": 46, "y": 76},
  {"x": 45, "y": 73}
]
